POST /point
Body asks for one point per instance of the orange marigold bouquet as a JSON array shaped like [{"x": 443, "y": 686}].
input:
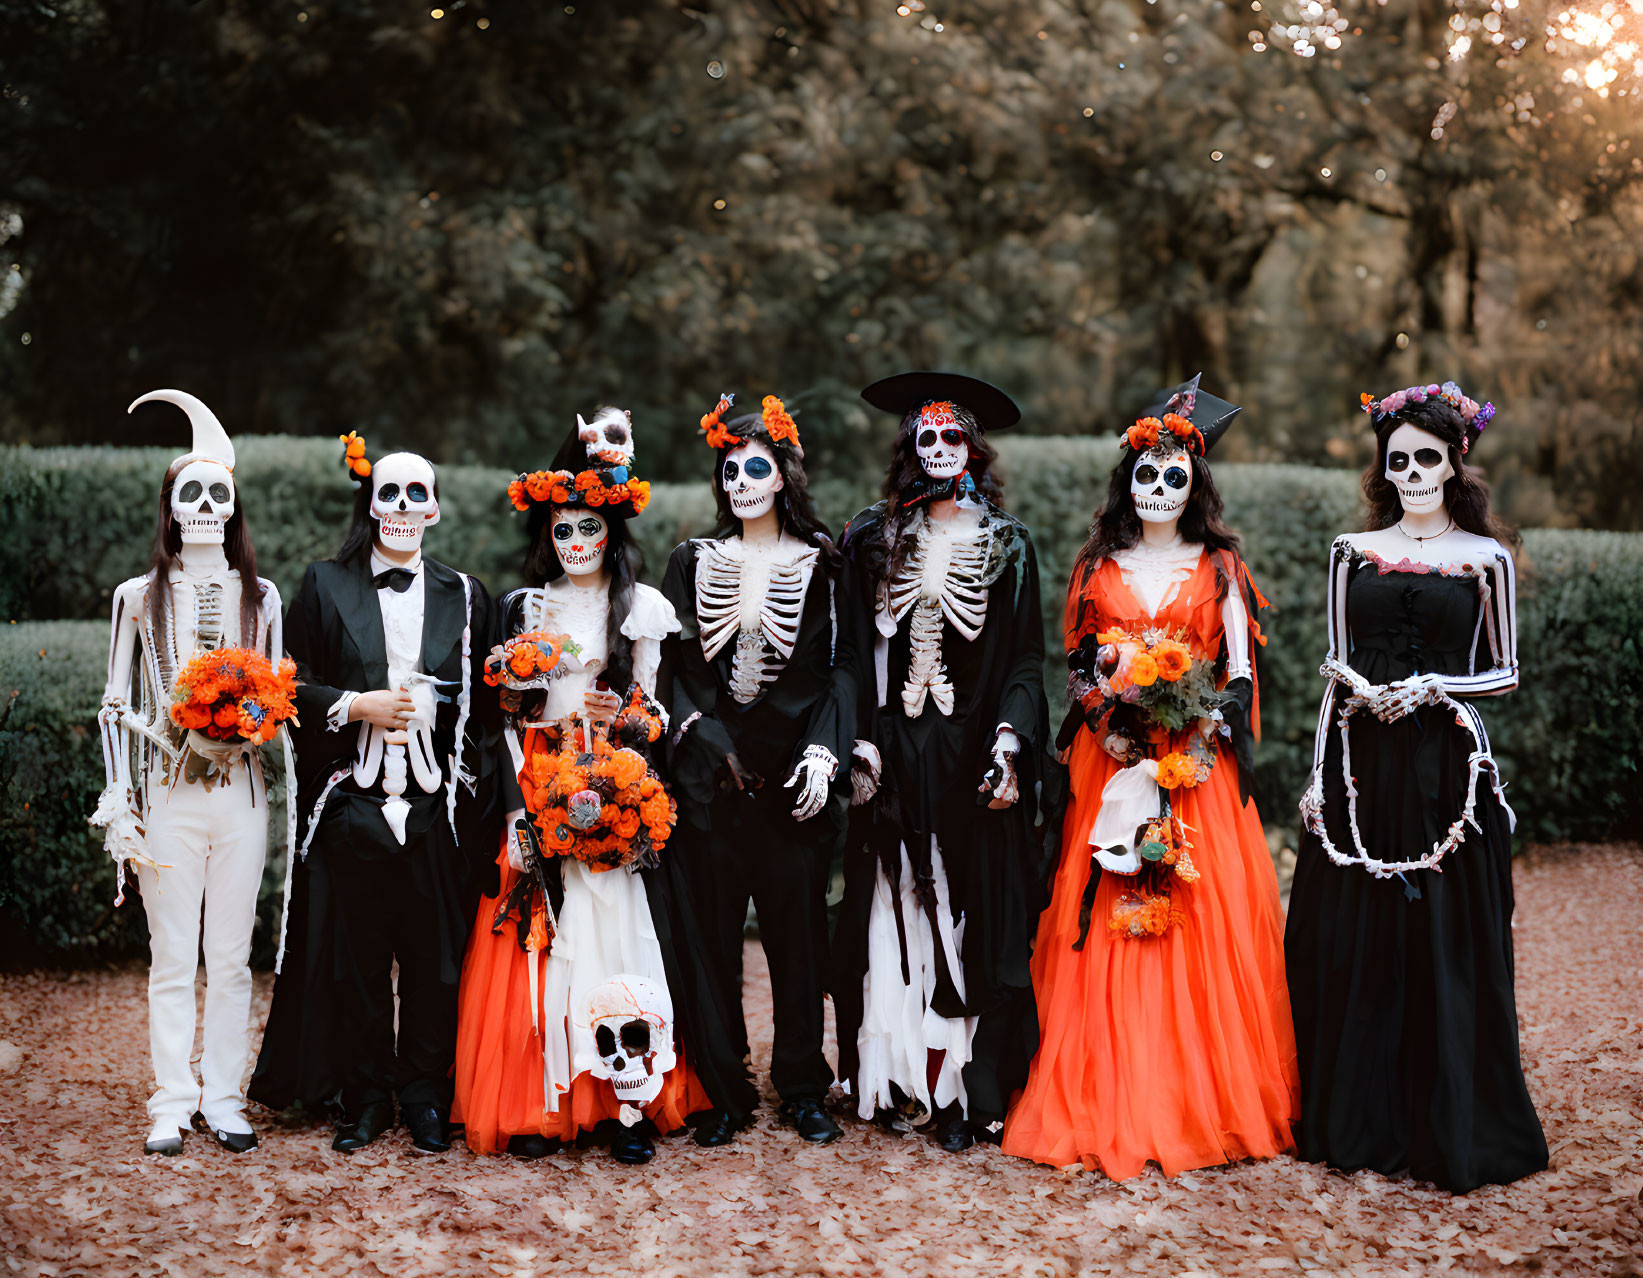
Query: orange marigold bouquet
[
  {"x": 530, "y": 660},
  {"x": 234, "y": 694},
  {"x": 595, "y": 796}
]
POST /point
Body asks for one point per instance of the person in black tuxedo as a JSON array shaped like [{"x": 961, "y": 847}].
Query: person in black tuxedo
[{"x": 400, "y": 801}]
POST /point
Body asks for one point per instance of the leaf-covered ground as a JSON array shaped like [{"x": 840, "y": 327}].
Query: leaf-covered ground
[{"x": 77, "y": 1196}]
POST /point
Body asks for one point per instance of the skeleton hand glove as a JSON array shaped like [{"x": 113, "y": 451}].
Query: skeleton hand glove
[
  {"x": 1001, "y": 777},
  {"x": 866, "y": 767},
  {"x": 816, "y": 769}
]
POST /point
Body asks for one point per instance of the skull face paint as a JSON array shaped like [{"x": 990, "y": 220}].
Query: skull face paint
[
  {"x": 609, "y": 436},
  {"x": 1160, "y": 484},
  {"x": 632, "y": 1023},
  {"x": 1418, "y": 465},
  {"x": 202, "y": 502},
  {"x": 751, "y": 479},
  {"x": 403, "y": 501},
  {"x": 943, "y": 447},
  {"x": 579, "y": 539}
]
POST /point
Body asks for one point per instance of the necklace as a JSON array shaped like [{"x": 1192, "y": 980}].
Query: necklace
[{"x": 1429, "y": 537}]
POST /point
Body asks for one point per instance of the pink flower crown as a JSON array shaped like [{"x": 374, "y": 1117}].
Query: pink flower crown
[{"x": 1474, "y": 415}]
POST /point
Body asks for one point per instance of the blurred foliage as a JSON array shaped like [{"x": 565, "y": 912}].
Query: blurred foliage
[
  {"x": 453, "y": 233},
  {"x": 73, "y": 522}
]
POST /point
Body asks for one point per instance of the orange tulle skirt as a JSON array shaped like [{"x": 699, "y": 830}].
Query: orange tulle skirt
[
  {"x": 1177, "y": 1048},
  {"x": 499, "y": 1056}
]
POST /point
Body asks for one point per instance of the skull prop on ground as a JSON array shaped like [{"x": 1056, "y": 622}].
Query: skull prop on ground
[
  {"x": 1417, "y": 463},
  {"x": 579, "y": 539},
  {"x": 403, "y": 501},
  {"x": 1160, "y": 484},
  {"x": 752, "y": 479},
  {"x": 632, "y": 1022},
  {"x": 943, "y": 447},
  {"x": 609, "y": 436}
]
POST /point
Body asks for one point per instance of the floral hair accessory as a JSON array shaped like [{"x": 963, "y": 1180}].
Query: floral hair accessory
[
  {"x": 712, "y": 424},
  {"x": 611, "y": 489},
  {"x": 779, "y": 423},
  {"x": 1172, "y": 428},
  {"x": 1471, "y": 412},
  {"x": 353, "y": 454}
]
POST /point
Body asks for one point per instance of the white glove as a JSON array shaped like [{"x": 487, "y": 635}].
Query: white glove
[
  {"x": 516, "y": 854},
  {"x": 1006, "y": 745},
  {"x": 816, "y": 769},
  {"x": 125, "y": 839},
  {"x": 866, "y": 769},
  {"x": 1398, "y": 699}
]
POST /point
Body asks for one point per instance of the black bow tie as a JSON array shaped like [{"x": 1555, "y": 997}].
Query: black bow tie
[{"x": 397, "y": 580}]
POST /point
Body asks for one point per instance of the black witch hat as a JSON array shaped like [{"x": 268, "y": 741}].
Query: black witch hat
[
  {"x": 1209, "y": 413},
  {"x": 908, "y": 392}
]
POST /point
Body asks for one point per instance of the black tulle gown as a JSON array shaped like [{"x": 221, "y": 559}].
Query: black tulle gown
[{"x": 1401, "y": 987}]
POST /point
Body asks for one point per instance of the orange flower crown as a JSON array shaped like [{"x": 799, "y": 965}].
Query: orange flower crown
[
  {"x": 612, "y": 489},
  {"x": 1149, "y": 433},
  {"x": 777, "y": 421},
  {"x": 353, "y": 455}
]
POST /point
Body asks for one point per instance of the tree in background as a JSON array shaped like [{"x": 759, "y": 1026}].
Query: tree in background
[{"x": 453, "y": 226}]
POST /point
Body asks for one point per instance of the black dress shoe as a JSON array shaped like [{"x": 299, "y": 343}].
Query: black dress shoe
[
  {"x": 373, "y": 1120},
  {"x": 807, "y": 1117},
  {"x": 631, "y": 1145},
  {"x": 952, "y": 1131},
  {"x": 429, "y": 1134},
  {"x": 532, "y": 1146},
  {"x": 233, "y": 1142},
  {"x": 714, "y": 1128},
  {"x": 170, "y": 1146}
]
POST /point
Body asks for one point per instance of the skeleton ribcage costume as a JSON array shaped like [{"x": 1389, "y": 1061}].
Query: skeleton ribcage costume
[
  {"x": 756, "y": 598},
  {"x": 945, "y": 575}
]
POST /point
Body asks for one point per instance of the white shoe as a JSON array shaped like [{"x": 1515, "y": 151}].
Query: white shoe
[{"x": 166, "y": 1138}]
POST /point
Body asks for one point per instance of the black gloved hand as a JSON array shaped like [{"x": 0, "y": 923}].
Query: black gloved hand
[{"x": 1235, "y": 712}]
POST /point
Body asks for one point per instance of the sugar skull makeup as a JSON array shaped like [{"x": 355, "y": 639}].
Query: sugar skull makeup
[
  {"x": 1160, "y": 484},
  {"x": 751, "y": 479},
  {"x": 579, "y": 539},
  {"x": 943, "y": 447},
  {"x": 1417, "y": 464}
]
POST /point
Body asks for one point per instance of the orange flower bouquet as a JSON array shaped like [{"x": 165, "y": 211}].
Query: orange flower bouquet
[
  {"x": 530, "y": 660},
  {"x": 231, "y": 695},
  {"x": 596, "y": 798}
]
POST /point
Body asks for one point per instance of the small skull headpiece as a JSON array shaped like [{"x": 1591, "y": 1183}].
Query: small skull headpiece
[{"x": 609, "y": 436}]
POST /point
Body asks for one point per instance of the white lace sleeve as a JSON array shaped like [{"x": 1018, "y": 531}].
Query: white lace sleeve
[{"x": 650, "y": 617}]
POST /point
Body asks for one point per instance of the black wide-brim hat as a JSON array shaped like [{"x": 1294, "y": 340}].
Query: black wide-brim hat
[
  {"x": 1210, "y": 414},
  {"x": 907, "y": 392}
]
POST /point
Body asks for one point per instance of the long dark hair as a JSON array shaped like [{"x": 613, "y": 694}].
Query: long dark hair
[
  {"x": 886, "y": 546},
  {"x": 624, "y": 561},
  {"x": 795, "y": 514},
  {"x": 168, "y": 545},
  {"x": 1117, "y": 527},
  {"x": 1465, "y": 493}
]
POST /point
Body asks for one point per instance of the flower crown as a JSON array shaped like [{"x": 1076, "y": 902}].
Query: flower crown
[
  {"x": 778, "y": 424},
  {"x": 1474, "y": 415},
  {"x": 610, "y": 488},
  {"x": 353, "y": 455},
  {"x": 1150, "y": 433}
]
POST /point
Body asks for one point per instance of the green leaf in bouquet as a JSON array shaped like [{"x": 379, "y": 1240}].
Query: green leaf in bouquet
[{"x": 1152, "y": 851}]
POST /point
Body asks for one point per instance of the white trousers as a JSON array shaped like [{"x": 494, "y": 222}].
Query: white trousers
[
  {"x": 211, "y": 846},
  {"x": 898, "y": 1028}
]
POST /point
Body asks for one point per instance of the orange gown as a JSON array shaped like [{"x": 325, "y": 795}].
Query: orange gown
[{"x": 1176, "y": 1048}]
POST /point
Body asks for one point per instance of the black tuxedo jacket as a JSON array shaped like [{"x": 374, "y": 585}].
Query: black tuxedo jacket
[{"x": 333, "y": 631}]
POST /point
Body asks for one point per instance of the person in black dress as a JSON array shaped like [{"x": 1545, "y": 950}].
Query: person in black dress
[
  {"x": 402, "y": 790},
  {"x": 1399, "y": 942},
  {"x": 761, "y": 716},
  {"x": 944, "y": 877}
]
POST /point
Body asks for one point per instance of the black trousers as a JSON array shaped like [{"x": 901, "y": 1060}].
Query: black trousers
[
  {"x": 757, "y": 850},
  {"x": 389, "y": 908}
]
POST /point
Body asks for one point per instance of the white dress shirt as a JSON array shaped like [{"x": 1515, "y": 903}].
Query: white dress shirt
[{"x": 401, "y": 631}]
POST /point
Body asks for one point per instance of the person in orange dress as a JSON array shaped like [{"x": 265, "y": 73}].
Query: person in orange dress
[
  {"x": 1159, "y": 966},
  {"x": 566, "y": 997}
]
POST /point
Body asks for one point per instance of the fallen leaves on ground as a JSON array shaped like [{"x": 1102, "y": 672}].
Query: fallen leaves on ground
[{"x": 78, "y": 1197}]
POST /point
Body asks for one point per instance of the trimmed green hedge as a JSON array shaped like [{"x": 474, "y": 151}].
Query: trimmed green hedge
[{"x": 1569, "y": 739}]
